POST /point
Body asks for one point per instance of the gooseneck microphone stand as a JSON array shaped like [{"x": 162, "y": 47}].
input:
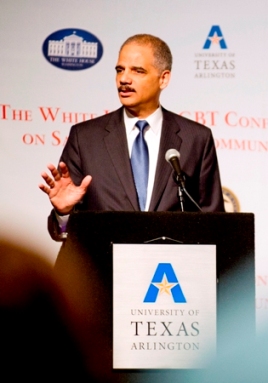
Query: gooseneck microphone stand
[{"x": 180, "y": 181}]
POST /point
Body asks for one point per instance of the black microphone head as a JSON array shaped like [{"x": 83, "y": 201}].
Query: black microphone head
[{"x": 171, "y": 153}]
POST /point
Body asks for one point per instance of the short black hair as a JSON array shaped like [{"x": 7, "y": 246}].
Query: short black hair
[{"x": 162, "y": 53}]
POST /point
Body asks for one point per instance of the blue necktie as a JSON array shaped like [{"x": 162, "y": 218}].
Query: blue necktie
[{"x": 140, "y": 163}]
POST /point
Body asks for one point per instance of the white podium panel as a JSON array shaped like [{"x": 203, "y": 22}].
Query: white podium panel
[{"x": 164, "y": 306}]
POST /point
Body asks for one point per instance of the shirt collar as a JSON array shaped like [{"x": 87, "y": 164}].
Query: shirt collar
[{"x": 154, "y": 120}]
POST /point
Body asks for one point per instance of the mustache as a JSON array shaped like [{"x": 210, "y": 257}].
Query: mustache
[{"x": 125, "y": 88}]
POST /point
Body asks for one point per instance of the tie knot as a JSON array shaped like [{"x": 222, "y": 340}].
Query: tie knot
[{"x": 141, "y": 124}]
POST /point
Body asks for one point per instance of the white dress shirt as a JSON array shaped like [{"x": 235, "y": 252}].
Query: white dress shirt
[{"x": 152, "y": 136}]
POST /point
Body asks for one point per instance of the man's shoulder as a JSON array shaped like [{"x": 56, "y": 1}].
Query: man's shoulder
[
  {"x": 183, "y": 121},
  {"x": 104, "y": 120}
]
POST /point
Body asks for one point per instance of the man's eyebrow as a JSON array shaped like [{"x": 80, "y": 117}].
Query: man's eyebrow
[
  {"x": 133, "y": 68},
  {"x": 139, "y": 68},
  {"x": 119, "y": 67}
]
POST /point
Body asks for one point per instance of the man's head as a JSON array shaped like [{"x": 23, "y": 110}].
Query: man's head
[
  {"x": 143, "y": 71},
  {"x": 161, "y": 52}
]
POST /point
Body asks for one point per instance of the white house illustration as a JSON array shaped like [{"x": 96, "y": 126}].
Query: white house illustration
[{"x": 72, "y": 46}]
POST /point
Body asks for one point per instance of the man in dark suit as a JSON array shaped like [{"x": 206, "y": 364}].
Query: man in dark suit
[{"x": 95, "y": 169}]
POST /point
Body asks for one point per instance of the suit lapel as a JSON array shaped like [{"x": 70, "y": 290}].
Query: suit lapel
[
  {"x": 116, "y": 144},
  {"x": 170, "y": 139}
]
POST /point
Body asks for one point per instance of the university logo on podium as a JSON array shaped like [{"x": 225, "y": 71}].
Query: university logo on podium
[
  {"x": 164, "y": 306},
  {"x": 165, "y": 281}
]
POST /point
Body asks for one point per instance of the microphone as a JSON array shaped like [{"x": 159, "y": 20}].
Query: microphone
[{"x": 173, "y": 157}]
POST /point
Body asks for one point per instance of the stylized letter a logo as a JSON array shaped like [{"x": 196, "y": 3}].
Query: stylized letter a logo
[
  {"x": 164, "y": 280},
  {"x": 215, "y": 36}
]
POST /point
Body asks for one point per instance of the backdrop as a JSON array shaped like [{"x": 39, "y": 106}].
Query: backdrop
[{"x": 57, "y": 68}]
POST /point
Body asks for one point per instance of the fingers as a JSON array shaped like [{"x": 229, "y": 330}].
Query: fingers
[
  {"x": 55, "y": 174},
  {"x": 64, "y": 170},
  {"x": 44, "y": 188},
  {"x": 54, "y": 171},
  {"x": 50, "y": 182},
  {"x": 60, "y": 182},
  {"x": 85, "y": 182}
]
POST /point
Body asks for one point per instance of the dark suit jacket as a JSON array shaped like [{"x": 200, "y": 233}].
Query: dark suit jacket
[{"x": 99, "y": 148}]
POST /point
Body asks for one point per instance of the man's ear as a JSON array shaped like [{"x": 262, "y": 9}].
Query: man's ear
[{"x": 164, "y": 79}]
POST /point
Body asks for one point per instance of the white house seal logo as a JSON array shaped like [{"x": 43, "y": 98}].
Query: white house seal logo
[{"x": 72, "y": 49}]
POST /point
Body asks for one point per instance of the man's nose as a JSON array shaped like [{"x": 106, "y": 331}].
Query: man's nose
[{"x": 125, "y": 78}]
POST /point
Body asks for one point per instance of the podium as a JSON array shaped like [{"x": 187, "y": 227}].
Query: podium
[{"x": 88, "y": 252}]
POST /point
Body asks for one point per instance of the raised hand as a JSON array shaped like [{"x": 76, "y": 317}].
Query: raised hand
[{"x": 61, "y": 190}]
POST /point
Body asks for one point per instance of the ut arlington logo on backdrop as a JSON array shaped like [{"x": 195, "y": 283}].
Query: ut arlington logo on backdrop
[
  {"x": 164, "y": 281},
  {"x": 215, "y": 36},
  {"x": 214, "y": 60},
  {"x": 72, "y": 49}
]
